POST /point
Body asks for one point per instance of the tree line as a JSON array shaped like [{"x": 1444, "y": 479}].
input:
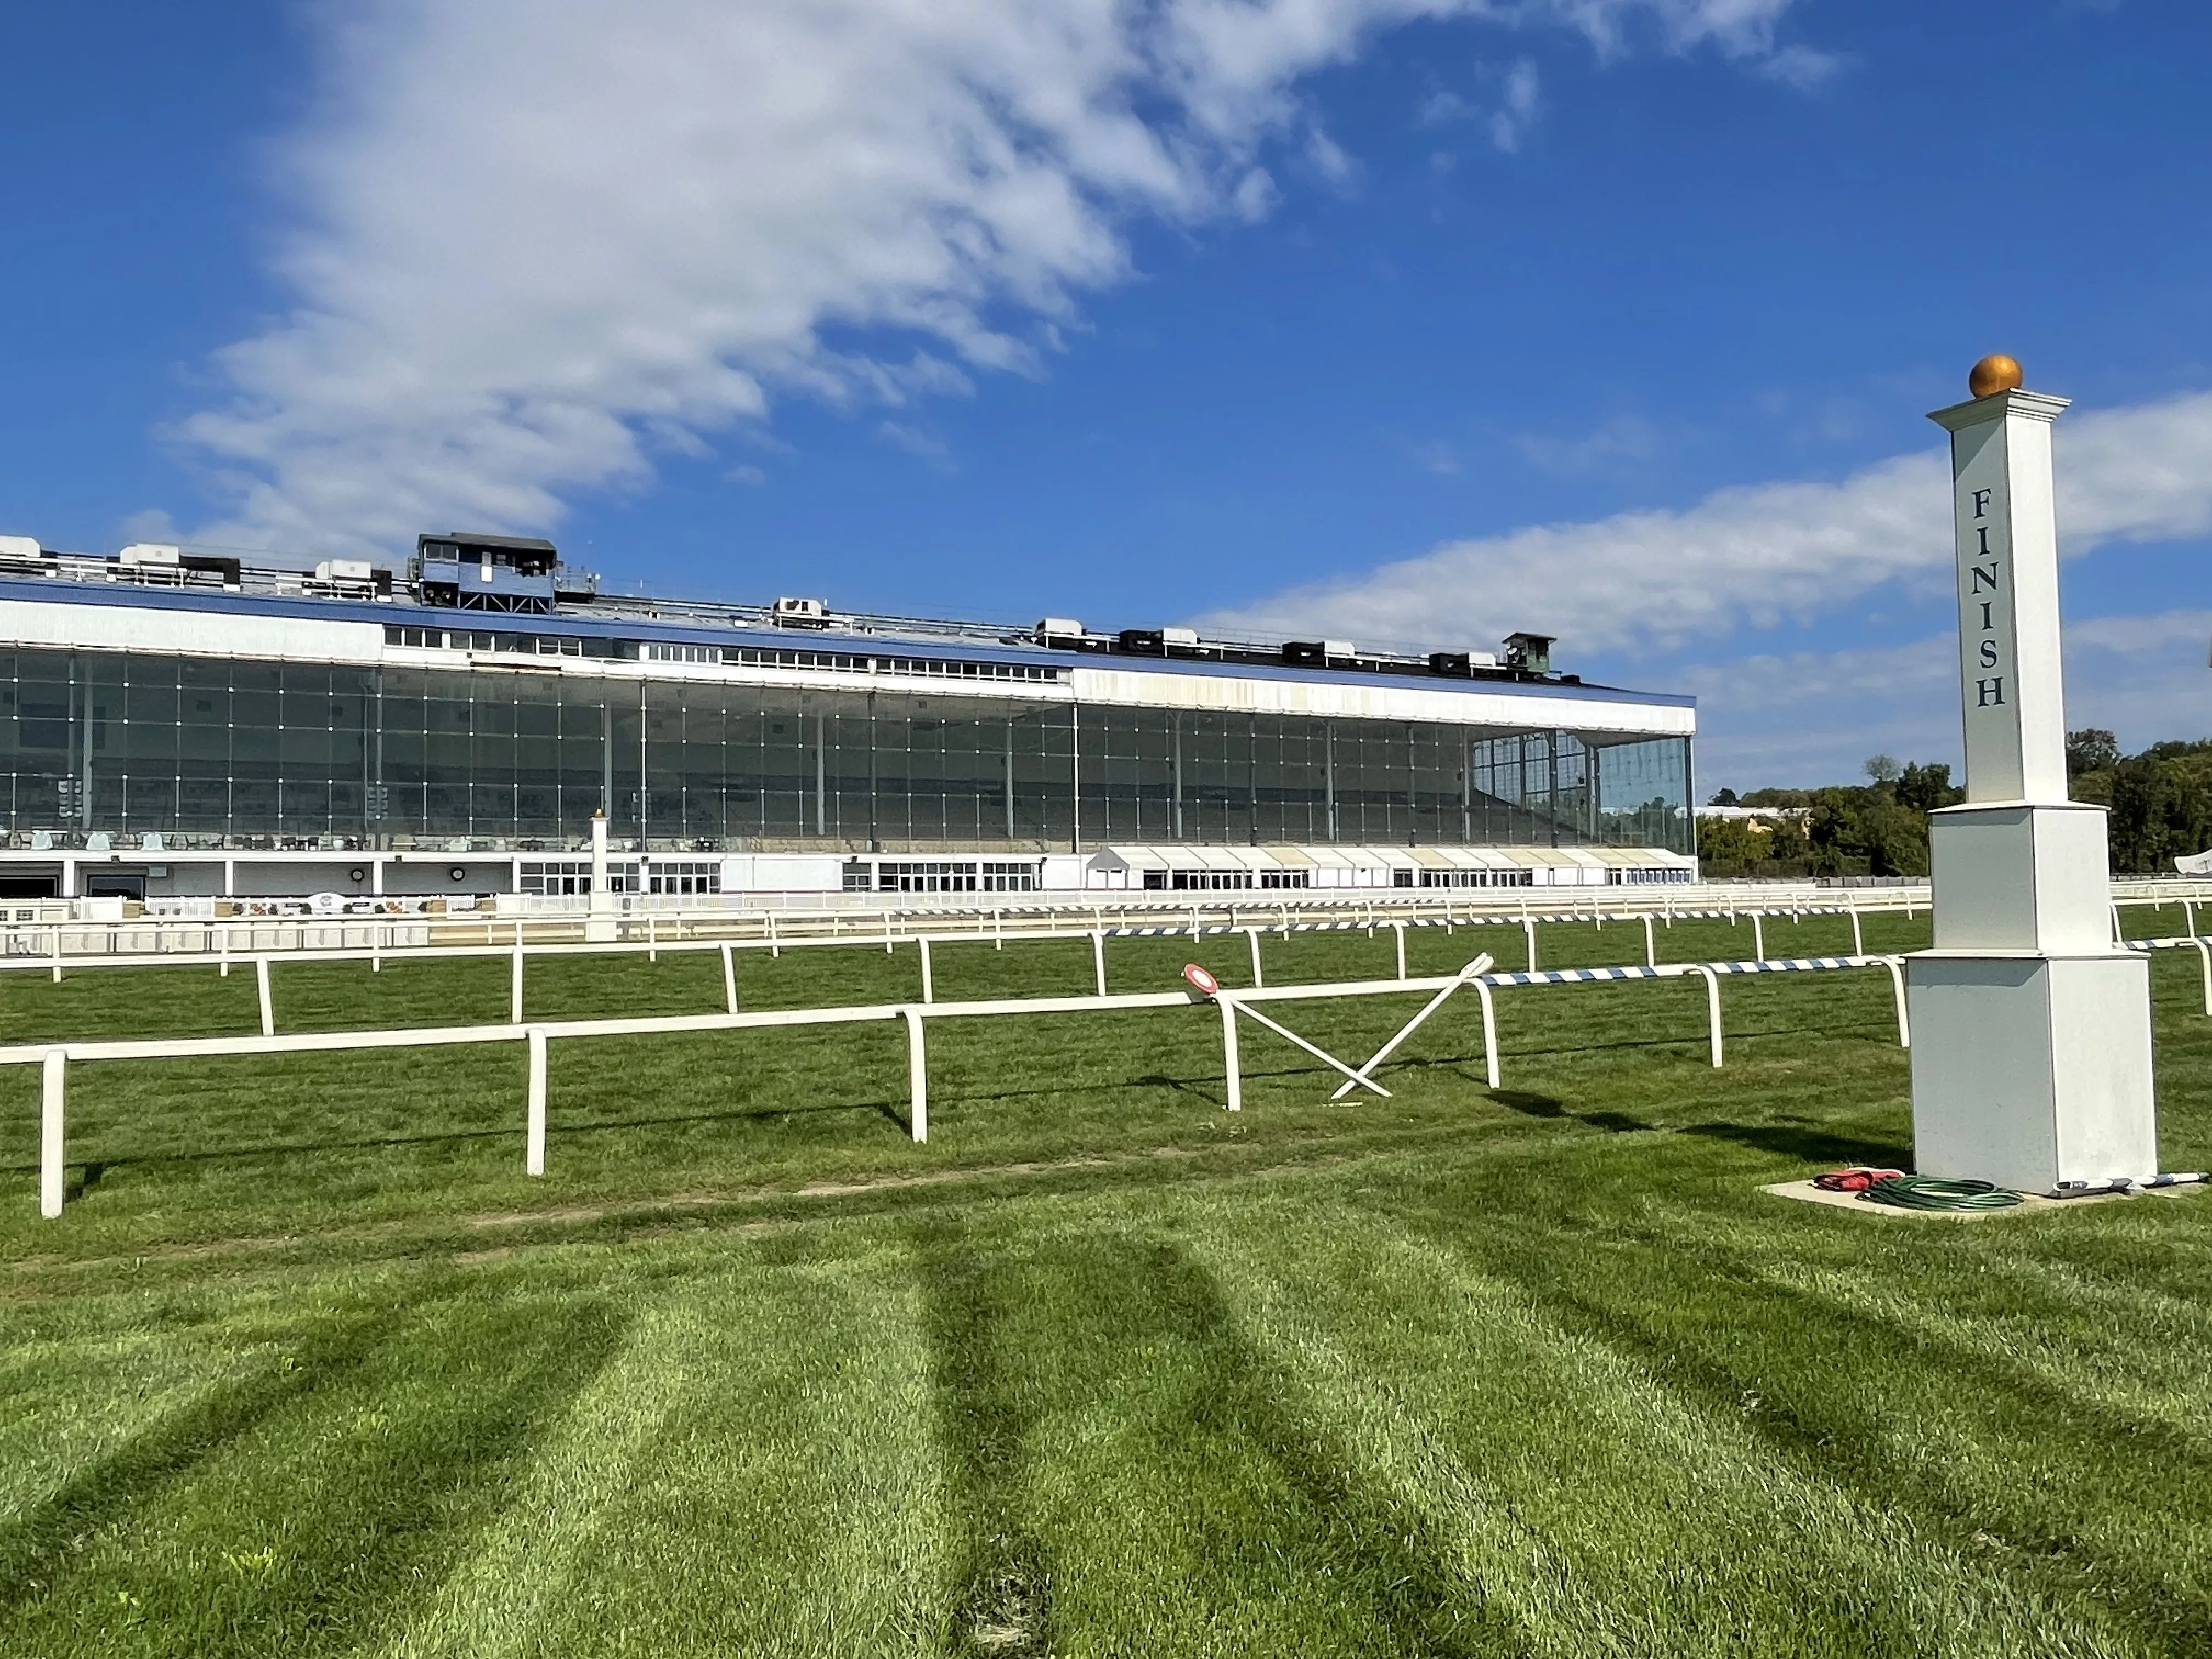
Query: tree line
[{"x": 2160, "y": 803}]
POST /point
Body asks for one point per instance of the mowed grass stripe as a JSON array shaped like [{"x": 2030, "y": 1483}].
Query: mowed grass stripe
[
  {"x": 1611, "y": 1514},
  {"x": 755, "y": 1470}
]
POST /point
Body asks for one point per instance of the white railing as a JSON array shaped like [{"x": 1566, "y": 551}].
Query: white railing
[
  {"x": 186, "y": 938},
  {"x": 55, "y": 1059}
]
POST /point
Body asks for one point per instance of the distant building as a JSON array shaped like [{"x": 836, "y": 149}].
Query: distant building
[{"x": 183, "y": 723}]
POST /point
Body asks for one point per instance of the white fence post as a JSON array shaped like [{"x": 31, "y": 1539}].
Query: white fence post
[
  {"x": 917, "y": 1075},
  {"x": 775, "y": 942},
  {"x": 57, "y": 953},
  {"x": 1859, "y": 934},
  {"x": 51, "y": 1135},
  {"x": 261, "y": 986},
  {"x": 1897, "y": 988},
  {"x": 514, "y": 987},
  {"x": 928, "y": 980},
  {"x": 2205, "y": 952},
  {"x": 1229, "y": 1060},
  {"x": 1758, "y": 938},
  {"x": 729, "y": 977},
  {"x": 1528, "y": 930},
  {"x": 1713, "y": 1009},
  {"x": 652, "y": 937},
  {"x": 1489, "y": 1031},
  {"x": 533, "y": 1154},
  {"x": 1399, "y": 929},
  {"x": 1650, "y": 947},
  {"x": 1258, "y": 978},
  {"x": 1099, "y": 959}
]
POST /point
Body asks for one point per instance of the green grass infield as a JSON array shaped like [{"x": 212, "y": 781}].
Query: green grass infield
[{"x": 308, "y": 1365}]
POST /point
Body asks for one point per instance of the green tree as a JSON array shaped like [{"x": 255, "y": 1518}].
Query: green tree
[{"x": 1925, "y": 788}]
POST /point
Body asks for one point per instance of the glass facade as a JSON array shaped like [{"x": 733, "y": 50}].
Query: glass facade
[{"x": 93, "y": 741}]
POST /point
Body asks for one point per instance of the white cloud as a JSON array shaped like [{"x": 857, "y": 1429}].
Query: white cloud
[
  {"x": 1512, "y": 118},
  {"x": 1751, "y": 554},
  {"x": 540, "y": 240},
  {"x": 1811, "y": 717}
]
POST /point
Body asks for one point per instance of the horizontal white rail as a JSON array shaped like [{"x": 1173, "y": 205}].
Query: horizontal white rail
[{"x": 55, "y": 1059}]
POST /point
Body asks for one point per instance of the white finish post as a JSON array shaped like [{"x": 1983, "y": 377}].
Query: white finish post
[
  {"x": 917, "y": 1075},
  {"x": 1713, "y": 1010},
  {"x": 261, "y": 987},
  {"x": 1858, "y": 935},
  {"x": 1399, "y": 929},
  {"x": 533, "y": 1152},
  {"x": 1528, "y": 930},
  {"x": 2205, "y": 951},
  {"x": 222, "y": 933},
  {"x": 729, "y": 976},
  {"x": 998, "y": 930},
  {"x": 1252, "y": 937},
  {"x": 1228, "y": 1060},
  {"x": 2189, "y": 917},
  {"x": 52, "y": 1136},
  {"x": 2032, "y": 1057},
  {"x": 1098, "y": 960},
  {"x": 652, "y": 937},
  {"x": 1651, "y": 945},
  {"x": 1758, "y": 938},
  {"x": 514, "y": 986},
  {"x": 928, "y": 980},
  {"x": 57, "y": 953},
  {"x": 774, "y": 944},
  {"x": 375, "y": 947}
]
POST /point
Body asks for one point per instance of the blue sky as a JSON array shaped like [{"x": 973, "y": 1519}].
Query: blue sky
[{"x": 1419, "y": 320}]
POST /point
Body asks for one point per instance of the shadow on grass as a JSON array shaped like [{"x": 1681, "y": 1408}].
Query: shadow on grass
[
  {"x": 1618, "y": 1123},
  {"x": 1136, "y": 1330},
  {"x": 1805, "y": 1144}
]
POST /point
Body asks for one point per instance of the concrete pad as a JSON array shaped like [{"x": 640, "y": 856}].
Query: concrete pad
[{"x": 2030, "y": 1203}]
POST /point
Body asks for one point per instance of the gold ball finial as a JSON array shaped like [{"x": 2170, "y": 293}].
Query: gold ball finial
[{"x": 1994, "y": 374}]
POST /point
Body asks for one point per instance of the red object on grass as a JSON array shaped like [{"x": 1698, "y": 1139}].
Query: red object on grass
[
  {"x": 1854, "y": 1180},
  {"x": 1203, "y": 981}
]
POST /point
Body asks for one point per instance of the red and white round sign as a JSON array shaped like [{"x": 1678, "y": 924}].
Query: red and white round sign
[{"x": 1205, "y": 982}]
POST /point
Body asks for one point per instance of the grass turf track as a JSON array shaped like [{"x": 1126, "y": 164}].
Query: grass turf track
[{"x": 309, "y": 1367}]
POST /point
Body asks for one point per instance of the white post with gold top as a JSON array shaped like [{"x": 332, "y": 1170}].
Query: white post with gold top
[{"x": 2031, "y": 1030}]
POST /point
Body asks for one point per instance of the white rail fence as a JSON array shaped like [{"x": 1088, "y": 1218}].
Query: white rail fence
[
  {"x": 56, "y": 1059},
  {"x": 376, "y": 944}
]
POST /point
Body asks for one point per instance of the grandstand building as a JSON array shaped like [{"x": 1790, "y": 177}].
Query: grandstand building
[{"x": 178, "y": 724}]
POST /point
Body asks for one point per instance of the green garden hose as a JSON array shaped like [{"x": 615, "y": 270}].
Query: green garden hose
[{"x": 1934, "y": 1192}]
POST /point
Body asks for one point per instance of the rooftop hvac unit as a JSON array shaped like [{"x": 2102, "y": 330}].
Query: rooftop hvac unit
[
  {"x": 1530, "y": 651},
  {"x": 1460, "y": 662},
  {"x": 1143, "y": 643},
  {"x": 800, "y": 613},
  {"x": 1058, "y": 630},
  {"x": 154, "y": 553},
  {"x": 1179, "y": 639},
  {"x": 344, "y": 570},
  {"x": 21, "y": 549}
]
